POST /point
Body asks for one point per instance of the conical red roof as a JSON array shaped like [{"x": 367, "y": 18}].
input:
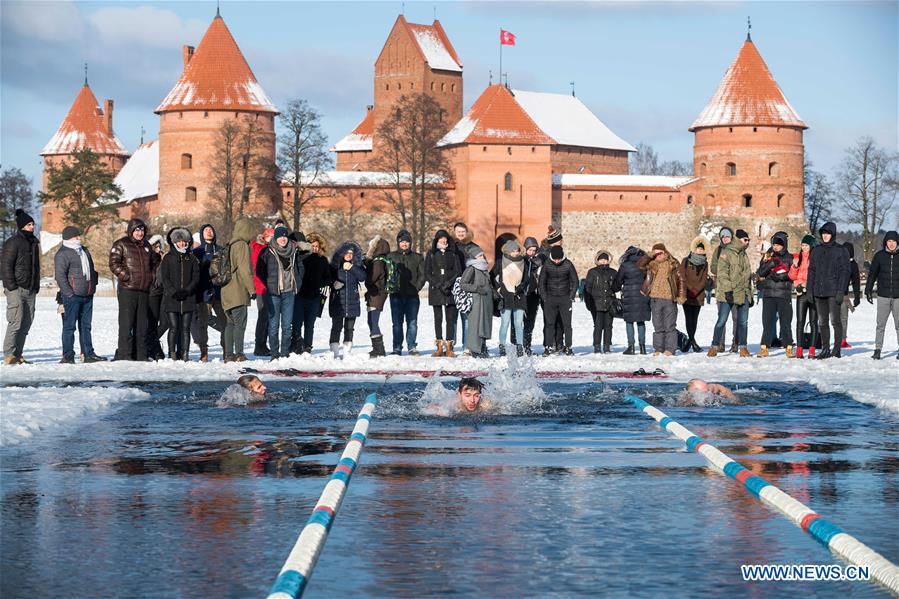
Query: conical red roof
[
  {"x": 217, "y": 78},
  {"x": 496, "y": 117},
  {"x": 748, "y": 95},
  {"x": 84, "y": 127}
]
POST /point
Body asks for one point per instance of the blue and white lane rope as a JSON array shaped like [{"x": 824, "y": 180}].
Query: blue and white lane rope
[
  {"x": 291, "y": 581},
  {"x": 829, "y": 535}
]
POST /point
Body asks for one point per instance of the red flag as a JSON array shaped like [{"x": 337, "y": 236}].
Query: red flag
[{"x": 506, "y": 38}]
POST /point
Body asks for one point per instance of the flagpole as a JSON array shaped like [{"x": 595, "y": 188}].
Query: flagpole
[{"x": 500, "y": 56}]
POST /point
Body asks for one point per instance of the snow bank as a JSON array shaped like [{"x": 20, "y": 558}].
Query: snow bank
[{"x": 27, "y": 411}]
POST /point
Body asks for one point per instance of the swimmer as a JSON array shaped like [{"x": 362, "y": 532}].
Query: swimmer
[
  {"x": 467, "y": 399},
  {"x": 249, "y": 389},
  {"x": 253, "y": 384},
  {"x": 469, "y": 396},
  {"x": 713, "y": 389}
]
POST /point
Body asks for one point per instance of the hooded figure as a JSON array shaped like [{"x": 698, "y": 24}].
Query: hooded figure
[
  {"x": 376, "y": 273},
  {"x": 599, "y": 297},
  {"x": 884, "y": 274},
  {"x": 507, "y": 277},
  {"x": 204, "y": 253},
  {"x": 829, "y": 266},
  {"x": 629, "y": 281},
  {"x": 345, "y": 286},
  {"x": 476, "y": 281},
  {"x": 180, "y": 275},
  {"x": 442, "y": 268},
  {"x": 241, "y": 286},
  {"x": 696, "y": 271},
  {"x": 131, "y": 260}
]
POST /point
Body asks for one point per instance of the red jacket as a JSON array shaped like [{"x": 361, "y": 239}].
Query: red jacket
[
  {"x": 256, "y": 248},
  {"x": 799, "y": 274}
]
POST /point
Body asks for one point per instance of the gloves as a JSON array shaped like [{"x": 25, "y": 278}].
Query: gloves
[
  {"x": 729, "y": 297},
  {"x": 180, "y": 295},
  {"x": 856, "y": 302},
  {"x": 338, "y": 285},
  {"x": 800, "y": 289},
  {"x": 870, "y": 298},
  {"x": 751, "y": 301},
  {"x": 252, "y": 296},
  {"x": 347, "y": 265},
  {"x": 838, "y": 298}
]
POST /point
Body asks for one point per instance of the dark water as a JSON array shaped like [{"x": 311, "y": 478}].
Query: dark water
[{"x": 574, "y": 494}]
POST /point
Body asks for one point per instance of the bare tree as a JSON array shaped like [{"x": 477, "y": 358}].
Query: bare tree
[
  {"x": 645, "y": 161},
  {"x": 819, "y": 197},
  {"x": 225, "y": 167},
  {"x": 84, "y": 189},
  {"x": 15, "y": 192},
  {"x": 867, "y": 179},
  {"x": 417, "y": 170},
  {"x": 303, "y": 157}
]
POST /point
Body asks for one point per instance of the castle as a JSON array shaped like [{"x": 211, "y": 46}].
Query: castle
[{"x": 521, "y": 160}]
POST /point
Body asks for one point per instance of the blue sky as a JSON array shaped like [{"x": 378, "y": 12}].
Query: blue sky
[{"x": 645, "y": 68}]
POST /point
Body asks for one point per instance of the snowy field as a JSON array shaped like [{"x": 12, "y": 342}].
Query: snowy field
[{"x": 29, "y": 404}]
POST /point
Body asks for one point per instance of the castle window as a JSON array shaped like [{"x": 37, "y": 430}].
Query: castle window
[
  {"x": 245, "y": 161},
  {"x": 595, "y": 196},
  {"x": 190, "y": 194},
  {"x": 533, "y": 149},
  {"x": 509, "y": 150},
  {"x": 432, "y": 86},
  {"x": 453, "y": 87},
  {"x": 747, "y": 200},
  {"x": 702, "y": 168},
  {"x": 730, "y": 169},
  {"x": 689, "y": 200},
  {"x": 780, "y": 198},
  {"x": 443, "y": 87},
  {"x": 187, "y": 161},
  {"x": 755, "y": 129},
  {"x": 411, "y": 86},
  {"x": 507, "y": 182},
  {"x": 205, "y": 114},
  {"x": 773, "y": 169},
  {"x": 362, "y": 194},
  {"x": 387, "y": 87},
  {"x": 730, "y": 129},
  {"x": 289, "y": 193},
  {"x": 620, "y": 196},
  {"x": 180, "y": 115},
  {"x": 485, "y": 148},
  {"x": 569, "y": 196},
  {"x": 646, "y": 197},
  {"x": 670, "y": 197},
  {"x": 399, "y": 86}
]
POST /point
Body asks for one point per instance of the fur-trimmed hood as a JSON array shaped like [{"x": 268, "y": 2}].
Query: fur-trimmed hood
[
  {"x": 378, "y": 246},
  {"x": 699, "y": 240},
  {"x": 337, "y": 257}
]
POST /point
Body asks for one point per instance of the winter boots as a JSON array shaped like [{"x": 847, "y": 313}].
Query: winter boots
[
  {"x": 788, "y": 352},
  {"x": 799, "y": 352},
  {"x": 763, "y": 352},
  {"x": 845, "y": 345},
  {"x": 836, "y": 352},
  {"x": 502, "y": 350},
  {"x": 204, "y": 353},
  {"x": 695, "y": 347},
  {"x": 597, "y": 349},
  {"x": 377, "y": 347},
  {"x": 448, "y": 349},
  {"x": 642, "y": 349},
  {"x": 629, "y": 351},
  {"x": 876, "y": 355},
  {"x": 261, "y": 351},
  {"x": 440, "y": 351},
  {"x": 519, "y": 350},
  {"x": 347, "y": 346},
  {"x": 734, "y": 348},
  {"x": 713, "y": 351},
  {"x": 335, "y": 349},
  {"x": 744, "y": 353},
  {"x": 825, "y": 353},
  {"x": 811, "y": 352}
]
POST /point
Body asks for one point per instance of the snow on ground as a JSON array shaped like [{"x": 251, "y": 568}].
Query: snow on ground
[{"x": 856, "y": 374}]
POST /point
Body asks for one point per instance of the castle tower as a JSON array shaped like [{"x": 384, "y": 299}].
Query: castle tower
[
  {"x": 415, "y": 58},
  {"x": 748, "y": 147},
  {"x": 216, "y": 85},
  {"x": 86, "y": 126}
]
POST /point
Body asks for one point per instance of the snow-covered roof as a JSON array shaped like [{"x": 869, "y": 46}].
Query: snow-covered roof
[
  {"x": 496, "y": 117},
  {"x": 139, "y": 178},
  {"x": 360, "y": 138},
  {"x": 435, "y": 50},
  {"x": 620, "y": 181},
  {"x": 84, "y": 127},
  {"x": 353, "y": 178},
  {"x": 568, "y": 121},
  {"x": 748, "y": 95},
  {"x": 217, "y": 78}
]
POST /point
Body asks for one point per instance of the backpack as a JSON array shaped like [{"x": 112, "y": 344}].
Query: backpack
[
  {"x": 462, "y": 299},
  {"x": 220, "y": 268},
  {"x": 393, "y": 275}
]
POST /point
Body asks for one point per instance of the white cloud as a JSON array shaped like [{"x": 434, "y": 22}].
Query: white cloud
[
  {"x": 145, "y": 26},
  {"x": 45, "y": 21}
]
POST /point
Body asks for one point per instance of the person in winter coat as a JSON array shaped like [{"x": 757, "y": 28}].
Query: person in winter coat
[
  {"x": 476, "y": 281},
  {"x": 157, "y": 323},
  {"x": 636, "y": 306},
  {"x": 805, "y": 303},
  {"x": 509, "y": 283},
  {"x": 664, "y": 286},
  {"x": 849, "y": 305},
  {"x": 884, "y": 274},
  {"x": 777, "y": 288},
  {"x": 21, "y": 267},
  {"x": 734, "y": 292},
  {"x": 599, "y": 295},
  {"x": 532, "y": 264},
  {"x": 76, "y": 277},
  {"x": 310, "y": 298},
  {"x": 238, "y": 293},
  {"x": 725, "y": 237},
  {"x": 260, "y": 347},
  {"x": 828, "y": 279},
  {"x": 347, "y": 274},
  {"x": 134, "y": 265},
  {"x": 558, "y": 285},
  {"x": 277, "y": 268},
  {"x": 209, "y": 297},
  {"x": 441, "y": 269},
  {"x": 553, "y": 238},
  {"x": 461, "y": 242},
  {"x": 377, "y": 267},
  {"x": 180, "y": 274},
  {"x": 696, "y": 277},
  {"x": 404, "y": 303}
]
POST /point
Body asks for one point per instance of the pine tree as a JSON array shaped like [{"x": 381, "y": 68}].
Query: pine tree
[
  {"x": 84, "y": 189},
  {"x": 15, "y": 192}
]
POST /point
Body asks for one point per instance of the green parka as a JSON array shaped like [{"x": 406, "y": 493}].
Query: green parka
[
  {"x": 239, "y": 289},
  {"x": 734, "y": 274}
]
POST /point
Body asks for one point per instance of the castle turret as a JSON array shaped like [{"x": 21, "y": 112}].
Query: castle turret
[{"x": 216, "y": 85}]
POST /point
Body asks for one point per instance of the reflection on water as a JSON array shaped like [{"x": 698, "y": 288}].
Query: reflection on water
[{"x": 567, "y": 490}]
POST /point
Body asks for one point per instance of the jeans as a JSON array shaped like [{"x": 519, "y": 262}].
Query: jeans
[
  {"x": 79, "y": 310},
  {"x": 200, "y": 324},
  {"x": 305, "y": 311},
  {"x": 347, "y": 324},
  {"x": 885, "y": 307},
  {"x": 261, "y": 341},
  {"x": 179, "y": 335},
  {"x": 774, "y": 308},
  {"x": 829, "y": 310},
  {"x": 133, "y": 310},
  {"x": 464, "y": 318},
  {"x": 664, "y": 325},
  {"x": 280, "y": 310},
  {"x": 235, "y": 331},
  {"x": 602, "y": 329},
  {"x": 517, "y": 318},
  {"x": 374, "y": 322},
  {"x": 404, "y": 307},
  {"x": 450, "y": 311},
  {"x": 724, "y": 312},
  {"x": 641, "y": 332}
]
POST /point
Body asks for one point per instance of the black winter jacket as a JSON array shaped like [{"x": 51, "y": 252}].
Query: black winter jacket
[
  {"x": 854, "y": 274},
  {"x": 345, "y": 300},
  {"x": 599, "y": 288},
  {"x": 268, "y": 272},
  {"x": 204, "y": 253},
  {"x": 316, "y": 275},
  {"x": 69, "y": 273},
  {"x": 775, "y": 275},
  {"x": 179, "y": 273},
  {"x": 410, "y": 271},
  {"x": 21, "y": 260},
  {"x": 441, "y": 269},
  {"x": 629, "y": 281},
  {"x": 884, "y": 271},
  {"x": 828, "y": 269},
  {"x": 558, "y": 280}
]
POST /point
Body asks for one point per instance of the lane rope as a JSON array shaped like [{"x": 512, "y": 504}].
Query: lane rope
[
  {"x": 831, "y": 536},
  {"x": 292, "y": 579}
]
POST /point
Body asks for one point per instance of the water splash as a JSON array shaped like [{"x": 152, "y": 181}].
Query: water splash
[{"x": 235, "y": 395}]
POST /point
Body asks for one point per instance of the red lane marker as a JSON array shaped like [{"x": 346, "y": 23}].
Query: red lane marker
[{"x": 807, "y": 521}]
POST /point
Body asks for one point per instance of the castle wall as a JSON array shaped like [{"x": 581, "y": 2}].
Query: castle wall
[{"x": 588, "y": 161}]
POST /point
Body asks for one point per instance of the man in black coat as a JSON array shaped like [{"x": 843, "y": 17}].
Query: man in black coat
[
  {"x": 828, "y": 279},
  {"x": 21, "y": 271},
  {"x": 209, "y": 297},
  {"x": 850, "y": 304},
  {"x": 777, "y": 289},
  {"x": 884, "y": 273},
  {"x": 558, "y": 288},
  {"x": 404, "y": 303}
]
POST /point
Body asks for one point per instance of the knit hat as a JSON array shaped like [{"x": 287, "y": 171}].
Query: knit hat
[
  {"x": 556, "y": 252},
  {"x": 660, "y": 246},
  {"x": 472, "y": 251},
  {"x": 531, "y": 242},
  {"x": 511, "y": 246},
  {"x": 70, "y": 232},
  {"x": 725, "y": 232},
  {"x": 22, "y": 218},
  {"x": 553, "y": 236},
  {"x": 281, "y": 231},
  {"x": 809, "y": 239},
  {"x": 268, "y": 232},
  {"x": 403, "y": 235},
  {"x": 741, "y": 234},
  {"x": 780, "y": 238},
  {"x": 602, "y": 255}
]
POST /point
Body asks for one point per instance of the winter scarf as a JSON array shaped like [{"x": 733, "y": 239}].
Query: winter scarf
[
  {"x": 697, "y": 259},
  {"x": 285, "y": 256},
  {"x": 72, "y": 244},
  {"x": 479, "y": 263},
  {"x": 513, "y": 272}
]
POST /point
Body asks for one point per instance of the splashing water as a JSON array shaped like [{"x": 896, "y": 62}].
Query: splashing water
[{"x": 235, "y": 395}]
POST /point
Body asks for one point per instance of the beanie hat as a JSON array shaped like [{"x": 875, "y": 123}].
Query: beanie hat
[
  {"x": 472, "y": 251},
  {"x": 511, "y": 246},
  {"x": 403, "y": 235},
  {"x": 725, "y": 232},
  {"x": 22, "y": 218},
  {"x": 602, "y": 255},
  {"x": 70, "y": 232},
  {"x": 553, "y": 236},
  {"x": 281, "y": 231},
  {"x": 780, "y": 238},
  {"x": 556, "y": 252},
  {"x": 298, "y": 237},
  {"x": 660, "y": 246},
  {"x": 741, "y": 234},
  {"x": 809, "y": 239},
  {"x": 530, "y": 242}
]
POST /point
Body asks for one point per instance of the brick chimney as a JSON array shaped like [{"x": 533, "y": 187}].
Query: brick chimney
[
  {"x": 188, "y": 52},
  {"x": 107, "y": 115}
]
